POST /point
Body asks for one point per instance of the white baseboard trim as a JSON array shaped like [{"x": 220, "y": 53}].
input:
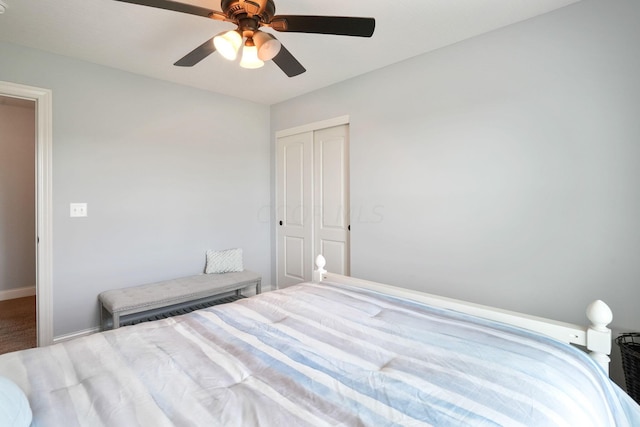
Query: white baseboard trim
[
  {"x": 27, "y": 291},
  {"x": 73, "y": 335}
]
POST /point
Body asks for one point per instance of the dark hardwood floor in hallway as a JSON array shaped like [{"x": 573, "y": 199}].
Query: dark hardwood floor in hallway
[{"x": 17, "y": 324}]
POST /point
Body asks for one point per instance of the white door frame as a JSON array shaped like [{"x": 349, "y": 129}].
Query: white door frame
[
  {"x": 329, "y": 123},
  {"x": 44, "y": 206}
]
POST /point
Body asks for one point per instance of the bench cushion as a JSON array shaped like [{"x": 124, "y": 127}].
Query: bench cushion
[{"x": 175, "y": 291}]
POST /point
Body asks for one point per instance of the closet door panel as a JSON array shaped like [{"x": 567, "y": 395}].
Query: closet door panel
[
  {"x": 294, "y": 188},
  {"x": 331, "y": 197}
]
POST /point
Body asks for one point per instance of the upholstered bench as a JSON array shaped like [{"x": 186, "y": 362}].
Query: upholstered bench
[{"x": 151, "y": 299}]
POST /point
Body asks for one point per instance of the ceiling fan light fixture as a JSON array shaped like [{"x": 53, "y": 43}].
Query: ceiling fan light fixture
[
  {"x": 267, "y": 45},
  {"x": 228, "y": 43},
  {"x": 250, "y": 56},
  {"x": 251, "y": 15}
]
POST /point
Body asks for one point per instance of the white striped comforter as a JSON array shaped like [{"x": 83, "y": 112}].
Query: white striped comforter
[{"x": 317, "y": 355}]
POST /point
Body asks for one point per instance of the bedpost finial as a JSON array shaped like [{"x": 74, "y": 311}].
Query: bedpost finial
[
  {"x": 319, "y": 271},
  {"x": 600, "y": 315},
  {"x": 321, "y": 262}
]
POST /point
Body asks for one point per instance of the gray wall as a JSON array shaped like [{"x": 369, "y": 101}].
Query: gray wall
[
  {"x": 167, "y": 171},
  {"x": 503, "y": 170},
  {"x": 17, "y": 195}
]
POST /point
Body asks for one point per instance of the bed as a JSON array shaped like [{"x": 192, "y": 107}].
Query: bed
[{"x": 334, "y": 351}]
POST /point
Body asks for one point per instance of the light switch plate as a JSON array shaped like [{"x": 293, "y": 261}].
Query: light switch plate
[{"x": 77, "y": 210}]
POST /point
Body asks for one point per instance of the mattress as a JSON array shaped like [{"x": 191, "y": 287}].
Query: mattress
[{"x": 317, "y": 355}]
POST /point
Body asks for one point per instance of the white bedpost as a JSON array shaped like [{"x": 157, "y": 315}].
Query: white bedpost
[
  {"x": 319, "y": 272},
  {"x": 598, "y": 335}
]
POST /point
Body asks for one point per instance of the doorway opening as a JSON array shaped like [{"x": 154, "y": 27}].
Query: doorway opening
[
  {"x": 17, "y": 224},
  {"x": 41, "y": 238}
]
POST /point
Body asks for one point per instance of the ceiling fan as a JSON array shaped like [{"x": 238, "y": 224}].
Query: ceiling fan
[{"x": 259, "y": 46}]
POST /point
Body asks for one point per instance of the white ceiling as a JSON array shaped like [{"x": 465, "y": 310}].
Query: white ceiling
[{"x": 148, "y": 41}]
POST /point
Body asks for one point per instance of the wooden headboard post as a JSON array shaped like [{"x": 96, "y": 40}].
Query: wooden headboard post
[{"x": 596, "y": 338}]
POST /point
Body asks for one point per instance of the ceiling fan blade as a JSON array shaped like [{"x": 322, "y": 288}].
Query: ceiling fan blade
[
  {"x": 339, "y": 25},
  {"x": 197, "y": 54},
  {"x": 175, "y": 6},
  {"x": 287, "y": 63}
]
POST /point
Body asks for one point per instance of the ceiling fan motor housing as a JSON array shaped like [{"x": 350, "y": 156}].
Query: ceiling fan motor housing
[{"x": 235, "y": 10}]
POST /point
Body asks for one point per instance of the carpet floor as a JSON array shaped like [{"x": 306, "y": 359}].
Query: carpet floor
[{"x": 17, "y": 324}]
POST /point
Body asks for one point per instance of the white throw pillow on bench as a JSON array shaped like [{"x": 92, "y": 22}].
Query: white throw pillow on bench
[{"x": 225, "y": 261}]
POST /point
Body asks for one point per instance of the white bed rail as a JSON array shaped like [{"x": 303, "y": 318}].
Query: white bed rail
[{"x": 596, "y": 337}]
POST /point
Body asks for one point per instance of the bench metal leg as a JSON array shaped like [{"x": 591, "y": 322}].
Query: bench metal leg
[
  {"x": 104, "y": 318},
  {"x": 101, "y": 317}
]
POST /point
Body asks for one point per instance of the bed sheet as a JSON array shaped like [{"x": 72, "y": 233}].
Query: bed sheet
[{"x": 317, "y": 355}]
